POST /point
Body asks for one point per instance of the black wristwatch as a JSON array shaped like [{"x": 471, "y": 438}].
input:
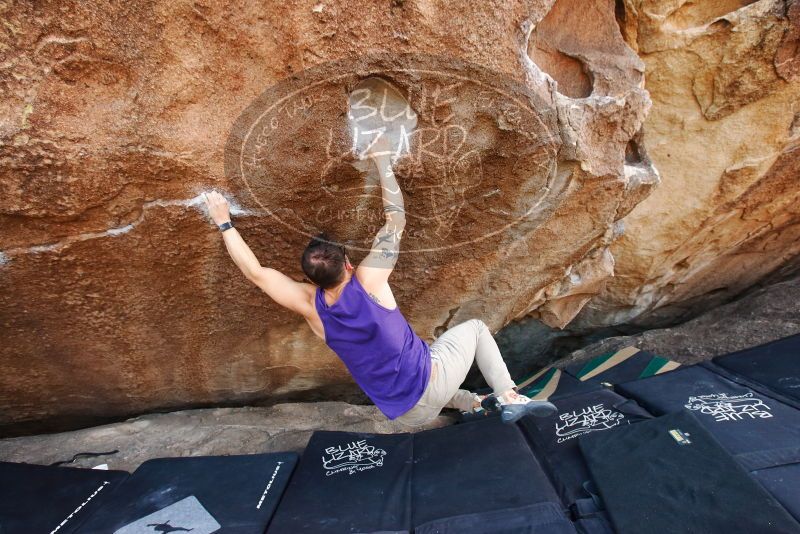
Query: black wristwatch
[{"x": 226, "y": 225}]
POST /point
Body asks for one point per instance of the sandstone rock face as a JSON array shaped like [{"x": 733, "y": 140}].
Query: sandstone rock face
[
  {"x": 529, "y": 154},
  {"x": 116, "y": 293},
  {"x": 724, "y": 133}
]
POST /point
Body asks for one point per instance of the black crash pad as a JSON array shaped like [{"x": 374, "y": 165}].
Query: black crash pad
[
  {"x": 40, "y": 498},
  {"x": 669, "y": 474},
  {"x": 223, "y": 494},
  {"x": 778, "y": 470},
  {"x": 783, "y": 482},
  {"x": 554, "y": 438},
  {"x": 474, "y": 468},
  {"x": 742, "y": 419},
  {"x": 775, "y": 365},
  {"x": 349, "y": 482},
  {"x": 438, "y": 479}
]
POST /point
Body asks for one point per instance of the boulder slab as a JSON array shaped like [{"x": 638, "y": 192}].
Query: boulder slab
[{"x": 117, "y": 296}]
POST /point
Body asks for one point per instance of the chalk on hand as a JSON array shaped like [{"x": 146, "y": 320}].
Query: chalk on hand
[{"x": 234, "y": 208}]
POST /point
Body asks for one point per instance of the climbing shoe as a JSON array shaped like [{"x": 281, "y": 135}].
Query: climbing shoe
[{"x": 512, "y": 410}]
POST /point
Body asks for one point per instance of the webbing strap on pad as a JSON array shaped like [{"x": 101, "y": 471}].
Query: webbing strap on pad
[{"x": 585, "y": 507}]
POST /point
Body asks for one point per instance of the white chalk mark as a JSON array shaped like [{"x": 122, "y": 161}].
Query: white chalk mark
[
  {"x": 121, "y": 230},
  {"x": 197, "y": 202},
  {"x": 376, "y": 107},
  {"x": 57, "y": 39}
]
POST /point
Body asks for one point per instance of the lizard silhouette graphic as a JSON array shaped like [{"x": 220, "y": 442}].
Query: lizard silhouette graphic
[{"x": 165, "y": 527}]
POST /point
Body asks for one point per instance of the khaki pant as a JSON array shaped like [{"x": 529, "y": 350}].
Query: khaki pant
[{"x": 452, "y": 355}]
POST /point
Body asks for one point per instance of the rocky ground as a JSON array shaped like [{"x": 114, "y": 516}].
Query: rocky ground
[
  {"x": 763, "y": 315},
  {"x": 221, "y": 431}
]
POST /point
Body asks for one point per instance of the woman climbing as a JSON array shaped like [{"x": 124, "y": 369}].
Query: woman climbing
[{"x": 354, "y": 310}]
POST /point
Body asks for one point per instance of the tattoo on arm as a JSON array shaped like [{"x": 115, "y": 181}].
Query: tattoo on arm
[
  {"x": 385, "y": 248},
  {"x": 384, "y": 238},
  {"x": 386, "y": 245},
  {"x": 389, "y": 254}
]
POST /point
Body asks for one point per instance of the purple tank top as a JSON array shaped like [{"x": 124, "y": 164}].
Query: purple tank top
[{"x": 387, "y": 359}]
